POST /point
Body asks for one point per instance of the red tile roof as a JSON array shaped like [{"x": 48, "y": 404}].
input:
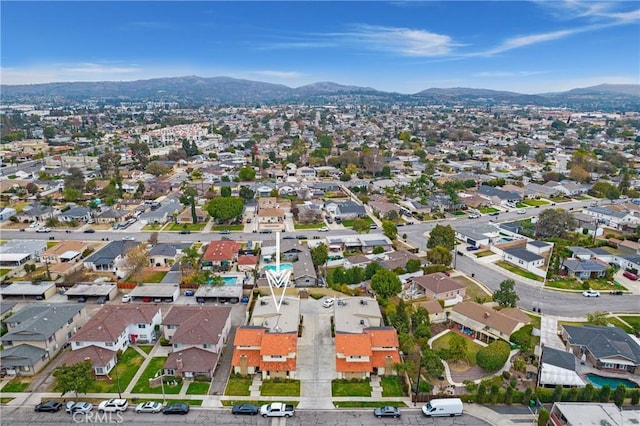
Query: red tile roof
[
  {"x": 221, "y": 250},
  {"x": 344, "y": 366}
]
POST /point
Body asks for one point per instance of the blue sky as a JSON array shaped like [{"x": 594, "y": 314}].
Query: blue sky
[{"x": 529, "y": 47}]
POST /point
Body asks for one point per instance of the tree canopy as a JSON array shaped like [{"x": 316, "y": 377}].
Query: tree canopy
[
  {"x": 554, "y": 223},
  {"x": 506, "y": 296},
  {"x": 319, "y": 254},
  {"x": 77, "y": 378},
  {"x": 225, "y": 208},
  {"x": 247, "y": 173},
  {"x": 443, "y": 236},
  {"x": 386, "y": 283},
  {"x": 389, "y": 229},
  {"x": 439, "y": 256},
  {"x": 360, "y": 226}
]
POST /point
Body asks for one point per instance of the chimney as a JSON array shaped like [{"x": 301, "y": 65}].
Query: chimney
[{"x": 244, "y": 364}]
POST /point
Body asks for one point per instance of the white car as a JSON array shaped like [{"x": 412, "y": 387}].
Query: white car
[
  {"x": 113, "y": 405},
  {"x": 474, "y": 216},
  {"x": 591, "y": 293},
  {"x": 328, "y": 303},
  {"x": 149, "y": 407},
  {"x": 521, "y": 212},
  {"x": 43, "y": 229},
  {"x": 34, "y": 225},
  {"x": 78, "y": 407},
  {"x": 323, "y": 229},
  {"x": 126, "y": 298},
  {"x": 128, "y": 239}
]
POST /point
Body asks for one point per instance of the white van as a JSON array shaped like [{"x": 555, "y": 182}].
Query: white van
[{"x": 443, "y": 407}]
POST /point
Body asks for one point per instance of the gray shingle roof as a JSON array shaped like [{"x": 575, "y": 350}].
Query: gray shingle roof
[
  {"x": 604, "y": 342},
  {"x": 21, "y": 356},
  {"x": 579, "y": 265},
  {"x": 559, "y": 358},
  {"x": 39, "y": 322},
  {"x": 108, "y": 253},
  {"x": 523, "y": 254}
]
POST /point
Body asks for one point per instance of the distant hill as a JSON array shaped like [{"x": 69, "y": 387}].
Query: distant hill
[{"x": 226, "y": 90}]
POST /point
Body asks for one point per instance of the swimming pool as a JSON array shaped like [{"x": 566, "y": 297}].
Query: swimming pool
[
  {"x": 600, "y": 381},
  {"x": 282, "y": 266},
  {"x": 227, "y": 280}
]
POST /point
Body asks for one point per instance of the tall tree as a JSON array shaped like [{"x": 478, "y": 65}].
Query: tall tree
[
  {"x": 506, "y": 295},
  {"x": 439, "y": 256},
  {"x": 319, "y": 254},
  {"x": 109, "y": 163},
  {"x": 246, "y": 193},
  {"x": 77, "y": 378},
  {"x": 360, "y": 226},
  {"x": 389, "y": 229},
  {"x": 75, "y": 179},
  {"x": 136, "y": 258},
  {"x": 140, "y": 155},
  {"x": 247, "y": 174},
  {"x": 386, "y": 283},
  {"x": 443, "y": 236},
  {"x": 225, "y": 208},
  {"x": 225, "y": 191},
  {"x": 554, "y": 223},
  {"x": 188, "y": 198}
]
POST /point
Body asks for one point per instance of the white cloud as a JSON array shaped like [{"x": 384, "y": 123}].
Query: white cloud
[
  {"x": 278, "y": 74},
  {"x": 398, "y": 40}
]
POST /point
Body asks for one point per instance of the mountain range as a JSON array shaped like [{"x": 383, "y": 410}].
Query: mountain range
[{"x": 226, "y": 90}]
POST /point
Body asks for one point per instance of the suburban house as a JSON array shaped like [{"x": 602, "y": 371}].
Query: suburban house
[
  {"x": 384, "y": 209},
  {"x": 37, "y": 213},
  {"x": 185, "y": 217},
  {"x": 110, "y": 257},
  {"x": 220, "y": 254},
  {"x": 616, "y": 219},
  {"x": 485, "y": 324},
  {"x": 256, "y": 350},
  {"x": 64, "y": 251},
  {"x": 6, "y": 213},
  {"x": 165, "y": 254},
  {"x": 19, "y": 252},
  {"x": 363, "y": 344},
  {"x": 585, "y": 268},
  {"x": 164, "y": 213},
  {"x": 523, "y": 258},
  {"x": 350, "y": 210},
  {"x": 438, "y": 286},
  {"x": 78, "y": 213},
  {"x": 498, "y": 196},
  {"x": 478, "y": 235},
  {"x": 102, "y": 360},
  {"x": 374, "y": 351},
  {"x": 436, "y": 311},
  {"x": 365, "y": 243},
  {"x": 115, "y": 326},
  {"x": 41, "y": 329},
  {"x": 590, "y": 413},
  {"x": 606, "y": 348},
  {"x": 111, "y": 216},
  {"x": 197, "y": 335},
  {"x": 558, "y": 367},
  {"x": 271, "y": 218}
]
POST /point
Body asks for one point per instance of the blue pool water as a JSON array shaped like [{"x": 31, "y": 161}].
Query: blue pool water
[
  {"x": 282, "y": 266},
  {"x": 599, "y": 381},
  {"x": 230, "y": 280}
]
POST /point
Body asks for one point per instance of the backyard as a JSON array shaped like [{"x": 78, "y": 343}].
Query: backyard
[
  {"x": 473, "y": 290},
  {"x": 443, "y": 342},
  {"x": 341, "y": 387},
  {"x": 148, "y": 275}
]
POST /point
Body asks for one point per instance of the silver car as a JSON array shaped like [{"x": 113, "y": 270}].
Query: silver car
[
  {"x": 78, "y": 407},
  {"x": 149, "y": 407}
]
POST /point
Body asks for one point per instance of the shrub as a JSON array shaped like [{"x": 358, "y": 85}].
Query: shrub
[
  {"x": 543, "y": 417},
  {"x": 164, "y": 341},
  {"x": 508, "y": 396},
  {"x": 492, "y": 357},
  {"x": 635, "y": 397},
  {"x": 506, "y": 375},
  {"x": 482, "y": 391},
  {"x": 522, "y": 338}
]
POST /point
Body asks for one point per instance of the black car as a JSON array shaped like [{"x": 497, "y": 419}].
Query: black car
[
  {"x": 494, "y": 213},
  {"x": 185, "y": 231},
  {"x": 49, "y": 407},
  {"x": 616, "y": 292},
  {"x": 301, "y": 237},
  {"x": 90, "y": 231},
  {"x": 245, "y": 409},
  {"x": 176, "y": 408}
]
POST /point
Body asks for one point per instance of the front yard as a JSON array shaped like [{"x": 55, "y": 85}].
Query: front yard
[
  {"x": 280, "y": 387},
  {"x": 348, "y": 223},
  {"x": 238, "y": 386},
  {"x": 154, "y": 368},
  {"x": 569, "y": 283},
  {"x": 193, "y": 227},
  {"x": 309, "y": 225},
  {"x": 237, "y": 227},
  {"x": 198, "y": 388},
  {"x": 473, "y": 290},
  {"x": 391, "y": 386},
  {"x": 15, "y": 385},
  {"x": 513, "y": 268},
  {"x": 354, "y": 387},
  {"x": 535, "y": 202},
  {"x": 486, "y": 210},
  {"x": 127, "y": 367}
]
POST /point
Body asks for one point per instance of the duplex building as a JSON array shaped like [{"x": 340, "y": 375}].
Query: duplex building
[{"x": 486, "y": 324}]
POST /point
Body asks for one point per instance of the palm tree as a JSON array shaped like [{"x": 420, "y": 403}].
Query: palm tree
[{"x": 48, "y": 202}]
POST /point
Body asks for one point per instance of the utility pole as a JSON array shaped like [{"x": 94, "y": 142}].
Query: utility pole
[{"x": 415, "y": 400}]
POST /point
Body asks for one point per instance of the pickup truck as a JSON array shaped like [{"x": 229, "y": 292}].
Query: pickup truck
[{"x": 277, "y": 409}]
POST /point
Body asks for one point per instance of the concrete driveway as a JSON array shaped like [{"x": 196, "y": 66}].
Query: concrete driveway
[{"x": 316, "y": 355}]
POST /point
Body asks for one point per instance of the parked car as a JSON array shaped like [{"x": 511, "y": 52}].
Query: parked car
[
  {"x": 474, "y": 216},
  {"x": 126, "y": 298},
  {"x": 323, "y": 229},
  {"x": 189, "y": 292},
  {"x": 90, "y": 231},
  {"x": 113, "y": 405},
  {"x": 616, "y": 292},
  {"x": 245, "y": 409},
  {"x": 102, "y": 300},
  {"x": 43, "y": 230},
  {"x": 225, "y": 231},
  {"x": 328, "y": 303},
  {"x": 149, "y": 407},
  {"x": 48, "y": 407},
  {"x": 185, "y": 231},
  {"x": 78, "y": 407},
  {"x": 591, "y": 293},
  {"x": 387, "y": 412},
  {"x": 373, "y": 226},
  {"x": 630, "y": 275},
  {"x": 176, "y": 408},
  {"x": 494, "y": 213},
  {"x": 521, "y": 211},
  {"x": 128, "y": 239},
  {"x": 472, "y": 248},
  {"x": 301, "y": 237}
]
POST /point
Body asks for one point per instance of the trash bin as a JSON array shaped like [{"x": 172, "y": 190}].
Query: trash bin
[{"x": 532, "y": 403}]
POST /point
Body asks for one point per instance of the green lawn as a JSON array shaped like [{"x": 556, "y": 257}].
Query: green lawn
[
  {"x": 154, "y": 367},
  {"x": 603, "y": 284},
  {"x": 368, "y": 404},
  {"x": 512, "y": 268},
  {"x": 564, "y": 283},
  {"x": 198, "y": 388},
  {"x": 15, "y": 386},
  {"x": 238, "y": 386},
  {"x": 349, "y": 388},
  {"x": 617, "y": 323},
  {"x": 153, "y": 227},
  {"x": 459, "y": 213},
  {"x": 192, "y": 402},
  {"x": 128, "y": 366},
  {"x": 193, "y": 227},
  {"x": 535, "y": 320},
  {"x": 484, "y": 253},
  {"x": 559, "y": 199},
  {"x": 51, "y": 244},
  {"x": 633, "y": 321},
  {"x": 4, "y": 271},
  {"x": 238, "y": 227},
  {"x": 229, "y": 403},
  {"x": 287, "y": 388},
  {"x": 486, "y": 210},
  {"x": 6, "y": 400},
  {"x": 149, "y": 276},
  {"x": 348, "y": 223},
  {"x": 472, "y": 289},
  {"x": 309, "y": 225},
  {"x": 442, "y": 342},
  {"x": 146, "y": 348},
  {"x": 391, "y": 386},
  {"x": 535, "y": 202}
]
